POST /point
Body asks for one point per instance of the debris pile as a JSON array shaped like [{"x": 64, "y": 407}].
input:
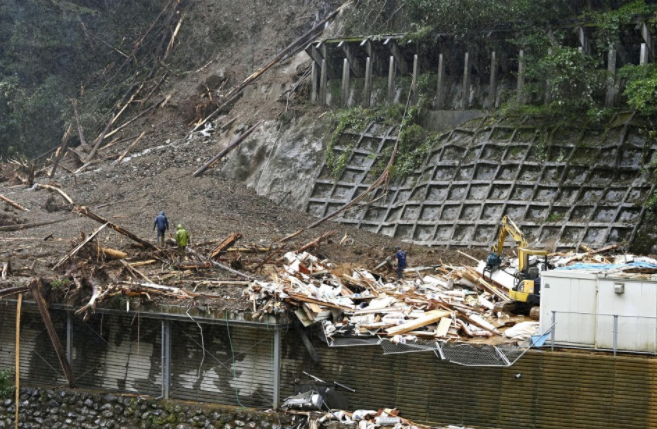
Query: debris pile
[{"x": 440, "y": 302}]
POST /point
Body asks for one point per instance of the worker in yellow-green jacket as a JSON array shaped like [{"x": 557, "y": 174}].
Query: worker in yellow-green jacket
[{"x": 182, "y": 238}]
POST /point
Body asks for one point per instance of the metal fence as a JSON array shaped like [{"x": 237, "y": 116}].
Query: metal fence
[{"x": 605, "y": 332}]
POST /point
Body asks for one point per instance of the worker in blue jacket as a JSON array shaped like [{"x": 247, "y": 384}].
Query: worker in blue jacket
[
  {"x": 401, "y": 261},
  {"x": 162, "y": 225}
]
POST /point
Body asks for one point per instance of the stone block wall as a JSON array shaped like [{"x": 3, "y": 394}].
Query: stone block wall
[{"x": 41, "y": 408}]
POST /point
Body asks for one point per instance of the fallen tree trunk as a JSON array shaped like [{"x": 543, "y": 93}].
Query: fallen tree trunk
[
  {"x": 224, "y": 245},
  {"x": 132, "y": 146},
  {"x": 23, "y": 226},
  {"x": 77, "y": 248},
  {"x": 86, "y": 212},
  {"x": 234, "y": 93},
  {"x": 12, "y": 291},
  {"x": 60, "y": 151},
  {"x": 12, "y": 203},
  {"x": 230, "y": 147},
  {"x": 35, "y": 288},
  {"x": 56, "y": 189}
]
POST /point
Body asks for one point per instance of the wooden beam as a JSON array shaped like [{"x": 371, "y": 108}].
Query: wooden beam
[
  {"x": 86, "y": 212},
  {"x": 18, "y": 354},
  {"x": 428, "y": 318},
  {"x": 35, "y": 288}
]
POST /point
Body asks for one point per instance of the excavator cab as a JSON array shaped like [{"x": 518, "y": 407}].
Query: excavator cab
[{"x": 526, "y": 292}]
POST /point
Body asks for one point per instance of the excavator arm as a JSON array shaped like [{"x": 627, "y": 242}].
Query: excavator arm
[{"x": 507, "y": 226}]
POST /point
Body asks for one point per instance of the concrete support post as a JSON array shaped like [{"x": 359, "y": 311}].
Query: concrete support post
[
  {"x": 492, "y": 95},
  {"x": 643, "y": 59},
  {"x": 367, "y": 92},
  {"x": 466, "y": 81},
  {"x": 521, "y": 78},
  {"x": 391, "y": 80},
  {"x": 345, "y": 83},
  {"x": 69, "y": 337},
  {"x": 615, "y": 334},
  {"x": 554, "y": 328},
  {"x": 647, "y": 37},
  {"x": 416, "y": 71},
  {"x": 277, "y": 368},
  {"x": 610, "y": 99},
  {"x": 313, "y": 83},
  {"x": 548, "y": 86},
  {"x": 166, "y": 358},
  {"x": 323, "y": 80},
  {"x": 440, "y": 89}
]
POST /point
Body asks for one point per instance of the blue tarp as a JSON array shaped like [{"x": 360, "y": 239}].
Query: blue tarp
[{"x": 604, "y": 267}]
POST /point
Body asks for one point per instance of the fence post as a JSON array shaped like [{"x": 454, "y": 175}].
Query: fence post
[
  {"x": 615, "y": 334},
  {"x": 69, "y": 337},
  {"x": 166, "y": 358},
  {"x": 277, "y": 368},
  {"x": 554, "y": 327}
]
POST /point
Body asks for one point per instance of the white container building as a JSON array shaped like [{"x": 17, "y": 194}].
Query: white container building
[{"x": 600, "y": 310}]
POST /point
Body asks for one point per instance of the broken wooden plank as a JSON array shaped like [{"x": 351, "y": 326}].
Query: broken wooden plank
[
  {"x": 35, "y": 288},
  {"x": 86, "y": 212},
  {"x": 228, "y": 242},
  {"x": 443, "y": 327},
  {"x": 72, "y": 253},
  {"x": 427, "y": 319},
  {"x": 13, "y": 203}
]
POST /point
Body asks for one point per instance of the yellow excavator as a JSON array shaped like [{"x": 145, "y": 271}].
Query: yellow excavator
[{"x": 526, "y": 292}]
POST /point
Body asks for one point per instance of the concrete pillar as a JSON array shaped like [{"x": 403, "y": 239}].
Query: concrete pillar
[
  {"x": 322, "y": 84},
  {"x": 277, "y": 368},
  {"x": 466, "y": 81},
  {"x": 643, "y": 59},
  {"x": 521, "y": 78},
  {"x": 313, "y": 83},
  {"x": 610, "y": 98},
  {"x": 367, "y": 92},
  {"x": 391, "y": 80},
  {"x": 548, "y": 86},
  {"x": 492, "y": 95},
  {"x": 69, "y": 337},
  {"x": 345, "y": 82},
  {"x": 440, "y": 89},
  {"x": 166, "y": 358},
  {"x": 647, "y": 37},
  {"x": 416, "y": 70}
]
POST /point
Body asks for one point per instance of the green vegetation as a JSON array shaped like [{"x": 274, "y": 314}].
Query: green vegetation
[
  {"x": 6, "y": 387},
  {"x": 52, "y": 51}
]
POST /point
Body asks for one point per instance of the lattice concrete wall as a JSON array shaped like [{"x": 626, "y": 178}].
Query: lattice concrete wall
[{"x": 578, "y": 187}]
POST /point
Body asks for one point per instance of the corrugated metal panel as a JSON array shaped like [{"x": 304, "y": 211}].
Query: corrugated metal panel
[
  {"x": 245, "y": 378},
  {"x": 553, "y": 390},
  {"x": 7, "y": 335},
  {"x": 118, "y": 353},
  {"x": 39, "y": 364}
]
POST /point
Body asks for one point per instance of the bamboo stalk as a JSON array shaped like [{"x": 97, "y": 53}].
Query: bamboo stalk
[{"x": 12, "y": 203}]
